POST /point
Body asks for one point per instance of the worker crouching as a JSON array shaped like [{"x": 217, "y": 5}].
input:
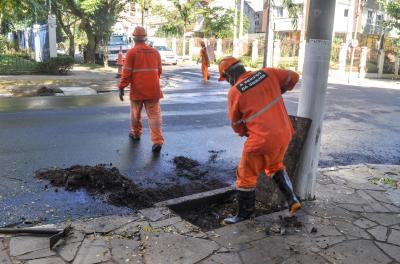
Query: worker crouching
[
  {"x": 142, "y": 70},
  {"x": 257, "y": 111}
]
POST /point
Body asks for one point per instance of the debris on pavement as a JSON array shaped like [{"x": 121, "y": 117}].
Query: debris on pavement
[
  {"x": 214, "y": 154},
  {"x": 285, "y": 225},
  {"x": 182, "y": 162},
  {"x": 45, "y": 91},
  {"x": 101, "y": 180},
  {"x": 188, "y": 168}
]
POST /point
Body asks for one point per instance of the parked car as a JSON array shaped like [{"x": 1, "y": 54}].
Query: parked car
[
  {"x": 168, "y": 56},
  {"x": 116, "y": 42}
]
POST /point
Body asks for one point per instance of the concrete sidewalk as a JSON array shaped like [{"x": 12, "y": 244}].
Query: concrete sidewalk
[
  {"x": 354, "y": 219},
  {"x": 99, "y": 80},
  {"x": 337, "y": 77}
]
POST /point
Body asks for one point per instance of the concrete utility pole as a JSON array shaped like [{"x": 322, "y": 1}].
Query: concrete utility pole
[
  {"x": 52, "y": 26},
  {"x": 234, "y": 49},
  {"x": 268, "y": 3},
  {"x": 241, "y": 19},
  {"x": 350, "y": 21},
  {"x": 302, "y": 48},
  {"x": 314, "y": 84},
  {"x": 353, "y": 48}
]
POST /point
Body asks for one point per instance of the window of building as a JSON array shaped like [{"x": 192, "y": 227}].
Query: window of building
[
  {"x": 279, "y": 11},
  {"x": 379, "y": 19},
  {"x": 346, "y": 12},
  {"x": 369, "y": 17}
]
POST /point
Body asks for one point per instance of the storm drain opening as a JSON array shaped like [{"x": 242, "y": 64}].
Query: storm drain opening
[{"x": 207, "y": 210}]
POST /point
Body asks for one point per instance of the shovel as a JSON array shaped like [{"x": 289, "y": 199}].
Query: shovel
[{"x": 56, "y": 233}]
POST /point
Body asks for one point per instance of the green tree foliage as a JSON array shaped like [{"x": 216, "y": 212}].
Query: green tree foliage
[
  {"x": 96, "y": 18},
  {"x": 293, "y": 11},
  {"x": 218, "y": 22},
  {"x": 393, "y": 10},
  {"x": 182, "y": 17},
  {"x": 145, "y": 5},
  {"x": 186, "y": 13},
  {"x": 392, "y": 21},
  {"x": 171, "y": 27},
  {"x": 17, "y": 14}
]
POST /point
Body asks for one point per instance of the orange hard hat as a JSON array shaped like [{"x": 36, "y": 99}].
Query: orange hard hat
[
  {"x": 140, "y": 33},
  {"x": 224, "y": 65}
]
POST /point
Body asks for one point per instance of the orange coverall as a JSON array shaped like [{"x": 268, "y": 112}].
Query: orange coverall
[
  {"x": 205, "y": 63},
  {"x": 268, "y": 132},
  {"x": 142, "y": 70}
]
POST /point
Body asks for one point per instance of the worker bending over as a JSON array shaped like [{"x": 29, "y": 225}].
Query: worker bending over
[
  {"x": 257, "y": 111},
  {"x": 142, "y": 70}
]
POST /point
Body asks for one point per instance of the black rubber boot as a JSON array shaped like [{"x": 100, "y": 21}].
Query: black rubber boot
[
  {"x": 246, "y": 207},
  {"x": 285, "y": 185},
  {"x": 156, "y": 148},
  {"x": 134, "y": 137}
]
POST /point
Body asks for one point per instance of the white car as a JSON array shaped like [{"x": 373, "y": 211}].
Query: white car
[
  {"x": 116, "y": 43},
  {"x": 168, "y": 56}
]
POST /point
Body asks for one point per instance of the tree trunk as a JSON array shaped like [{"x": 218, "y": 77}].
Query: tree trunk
[
  {"x": 2, "y": 30},
  {"x": 66, "y": 29},
  {"x": 105, "y": 52},
  {"x": 90, "y": 47},
  {"x": 184, "y": 46},
  {"x": 90, "y": 50},
  {"x": 184, "y": 43},
  {"x": 71, "y": 50}
]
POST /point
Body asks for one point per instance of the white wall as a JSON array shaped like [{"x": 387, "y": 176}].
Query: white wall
[{"x": 341, "y": 22}]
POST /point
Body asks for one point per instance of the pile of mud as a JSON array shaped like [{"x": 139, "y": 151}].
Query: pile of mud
[
  {"x": 45, "y": 91},
  {"x": 185, "y": 163},
  {"x": 189, "y": 168},
  {"x": 116, "y": 188}
]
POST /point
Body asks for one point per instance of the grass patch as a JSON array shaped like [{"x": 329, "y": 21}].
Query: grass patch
[
  {"x": 10, "y": 64},
  {"x": 388, "y": 181},
  {"x": 288, "y": 63}
]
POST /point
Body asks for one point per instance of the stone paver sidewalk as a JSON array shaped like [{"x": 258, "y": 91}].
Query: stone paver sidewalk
[{"x": 351, "y": 221}]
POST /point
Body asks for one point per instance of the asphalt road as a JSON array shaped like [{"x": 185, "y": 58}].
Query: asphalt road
[{"x": 362, "y": 124}]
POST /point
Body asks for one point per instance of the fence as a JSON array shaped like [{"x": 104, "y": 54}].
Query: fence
[
  {"x": 24, "y": 49},
  {"x": 34, "y": 39},
  {"x": 16, "y": 64}
]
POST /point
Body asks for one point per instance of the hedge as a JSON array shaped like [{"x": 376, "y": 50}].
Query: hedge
[{"x": 59, "y": 65}]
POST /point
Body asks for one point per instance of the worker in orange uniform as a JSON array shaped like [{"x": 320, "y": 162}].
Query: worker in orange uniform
[
  {"x": 142, "y": 70},
  {"x": 257, "y": 111},
  {"x": 205, "y": 62}
]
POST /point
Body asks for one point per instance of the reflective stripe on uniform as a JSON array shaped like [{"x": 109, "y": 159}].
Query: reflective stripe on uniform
[
  {"x": 145, "y": 69},
  {"x": 264, "y": 109},
  {"x": 289, "y": 78},
  {"x": 127, "y": 69}
]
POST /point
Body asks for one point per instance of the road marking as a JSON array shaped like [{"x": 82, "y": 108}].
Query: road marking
[{"x": 74, "y": 91}]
